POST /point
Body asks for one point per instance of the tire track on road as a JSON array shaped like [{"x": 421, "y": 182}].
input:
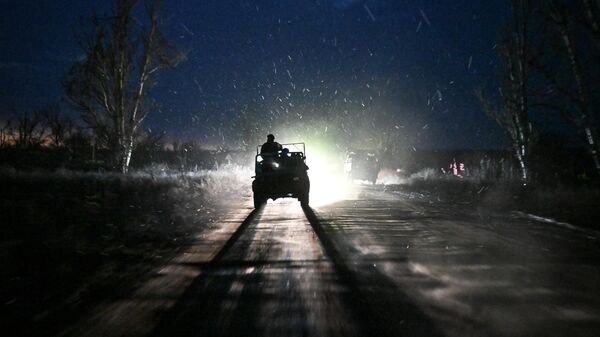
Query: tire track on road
[
  {"x": 136, "y": 315},
  {"x": 380, "y": 307}
]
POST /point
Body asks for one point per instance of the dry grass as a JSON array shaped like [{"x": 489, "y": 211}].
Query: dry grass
[
  {"x": 575, "y": 204},
  {"x": 70, "y": 239}
]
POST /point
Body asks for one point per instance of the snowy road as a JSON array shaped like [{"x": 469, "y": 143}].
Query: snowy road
[{"x": 375, "y": 264}]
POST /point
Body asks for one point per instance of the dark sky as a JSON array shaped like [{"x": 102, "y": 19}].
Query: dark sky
[{"x": 417, "y": 62}]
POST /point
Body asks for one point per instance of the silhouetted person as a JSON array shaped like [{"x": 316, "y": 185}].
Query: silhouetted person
[
  {"x": 284, "y": 158},
  {"x": 291, "y": 161},
  {"x": 271, "y": 146}
]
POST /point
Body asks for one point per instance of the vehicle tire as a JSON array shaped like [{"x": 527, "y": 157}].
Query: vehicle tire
[
  {"x": 304, "y": 199},
  {"x": 259, "y": 200}
]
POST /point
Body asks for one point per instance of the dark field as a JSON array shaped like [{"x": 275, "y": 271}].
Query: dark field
[
  {"x": 573, "y": 204},
  {"x": 72, "y": 240}
]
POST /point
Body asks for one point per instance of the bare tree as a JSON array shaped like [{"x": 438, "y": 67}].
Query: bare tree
[
  {"x": 111, "y": 85},
  {"x": 5, "y": 133},
  {"x": 512, "y": 113},
  {"x": 59, "y": 127},
  {"x": 30, "y": 131},
  {"x": 576, "y": 89}
]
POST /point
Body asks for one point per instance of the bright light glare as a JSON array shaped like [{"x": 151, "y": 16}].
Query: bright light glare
[
  {"x": 328, "y": 184},
  {"x": 325, "y": 159}
]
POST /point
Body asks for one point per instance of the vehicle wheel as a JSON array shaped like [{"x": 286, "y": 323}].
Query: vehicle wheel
[
  {"x": 304, "y": 199},
  {"x": 258, "y": 200}
]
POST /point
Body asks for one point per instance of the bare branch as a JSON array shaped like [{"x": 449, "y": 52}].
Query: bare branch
[
  {"x": 514, "y": 92},
  {"x": 111, "y": 86}
]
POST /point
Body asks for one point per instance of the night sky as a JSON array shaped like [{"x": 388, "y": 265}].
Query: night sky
[{"x": 416, "y": 62}]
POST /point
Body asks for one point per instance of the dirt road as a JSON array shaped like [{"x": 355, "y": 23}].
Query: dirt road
[{"x": 376, "y": 263}]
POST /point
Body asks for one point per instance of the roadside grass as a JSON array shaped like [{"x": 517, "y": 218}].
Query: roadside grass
[
  {"x": 69, "y": 240},
  {"x": 574, "y": 204}
]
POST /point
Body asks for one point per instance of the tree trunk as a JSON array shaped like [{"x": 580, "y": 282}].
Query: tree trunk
[
  {"x": 125, "y": 151},
  {"x": 521, "y": 155},
  {"x": 583, "y": 117},
  {"x": 593, "y": 148}
]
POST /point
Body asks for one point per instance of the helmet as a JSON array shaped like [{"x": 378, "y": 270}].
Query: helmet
[{"x": 270, "y": 136}]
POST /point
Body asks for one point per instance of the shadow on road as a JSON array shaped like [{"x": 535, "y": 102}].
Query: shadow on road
[
  {"x": 380, "y": 307},
  {"x": 199, "y": 312},
  {"x": 230, "y": 295}
]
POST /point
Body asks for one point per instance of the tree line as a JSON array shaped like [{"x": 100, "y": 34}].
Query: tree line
[
  {"x": 550, "y": 56},
  {"x": 47, "y": 138}
]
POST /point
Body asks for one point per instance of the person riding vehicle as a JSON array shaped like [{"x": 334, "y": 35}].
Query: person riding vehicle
[
  {"x": 280, "y": 173},
  {"x": 271, "y": 146},
  {"x": 270, "y": 151}
]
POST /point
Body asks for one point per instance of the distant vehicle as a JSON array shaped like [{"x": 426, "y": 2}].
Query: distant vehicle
[
  {"x": 281, "y": 174},
  {"x": 362, "y": 165}
]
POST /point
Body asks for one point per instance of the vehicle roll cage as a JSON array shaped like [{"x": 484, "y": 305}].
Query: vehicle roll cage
[
  {"x": 260, "y": 158},
  {"x": 298, "y": 147}
]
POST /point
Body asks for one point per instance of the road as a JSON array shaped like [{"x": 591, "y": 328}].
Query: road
[{"x": 375, "y": 263}]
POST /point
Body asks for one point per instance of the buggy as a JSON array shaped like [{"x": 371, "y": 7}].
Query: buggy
[{"x": 281, "y": 174}]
